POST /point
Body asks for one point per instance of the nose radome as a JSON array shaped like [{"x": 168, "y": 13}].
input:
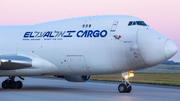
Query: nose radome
[{"x": 170, "y": 49}]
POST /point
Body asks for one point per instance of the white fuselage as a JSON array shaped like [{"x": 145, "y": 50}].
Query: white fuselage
[{"x": 92, "y": 45}]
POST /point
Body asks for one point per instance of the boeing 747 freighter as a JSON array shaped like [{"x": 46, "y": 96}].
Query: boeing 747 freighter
[{"x": 77, "y": 48}]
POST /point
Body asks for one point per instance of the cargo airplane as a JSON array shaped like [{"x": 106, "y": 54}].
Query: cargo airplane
[{"x": 77, "y": 48}]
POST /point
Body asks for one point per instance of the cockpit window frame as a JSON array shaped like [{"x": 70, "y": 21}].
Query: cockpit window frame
[
  {"x": 139, "y": 23},
  {"x": 134, "y": 23}
]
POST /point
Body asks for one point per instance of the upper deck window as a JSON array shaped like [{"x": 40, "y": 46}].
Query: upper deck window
[{"x": 140, "y": 23}]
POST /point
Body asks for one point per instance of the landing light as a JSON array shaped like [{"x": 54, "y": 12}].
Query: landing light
[
  {"x": 126, "y": 77},
  {"x": 3, "y": 60}
]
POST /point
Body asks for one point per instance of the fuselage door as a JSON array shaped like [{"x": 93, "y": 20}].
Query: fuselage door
[{"x": 114, "y": 25}]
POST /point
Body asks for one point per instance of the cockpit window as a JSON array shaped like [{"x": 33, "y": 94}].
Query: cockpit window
[
  {"x": 130, "y": 23},
  {"x": 140, "y": 23},
  {"x": 134, "y": 23}
]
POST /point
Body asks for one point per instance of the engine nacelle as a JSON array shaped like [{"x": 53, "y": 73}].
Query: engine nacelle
[{"x": 76, "y": 78}]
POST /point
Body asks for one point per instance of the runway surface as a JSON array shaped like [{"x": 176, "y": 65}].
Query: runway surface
[{"x": 56, "y": 89}]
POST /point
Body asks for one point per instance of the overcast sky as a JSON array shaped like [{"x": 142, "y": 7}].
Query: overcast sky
[{"x": 162, "y": 15}]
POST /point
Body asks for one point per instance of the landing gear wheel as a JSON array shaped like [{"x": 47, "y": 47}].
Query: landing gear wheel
[
  {"x": 19, "y": 84},
  {"x": 12, "y": 84},
  {"x": 129, "y": 89},
  {"x": 122, "y": 88},
  {"x": 5, "y": 84}
]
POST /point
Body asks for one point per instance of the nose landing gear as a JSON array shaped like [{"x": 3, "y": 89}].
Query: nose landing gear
[
  {"x": 125, "y": 86},
  {"x": 11, "y": 84}
]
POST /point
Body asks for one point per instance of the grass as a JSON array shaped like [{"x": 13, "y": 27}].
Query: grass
[
  {"x": 162, "y": 68},
  {"x": 172, "y": 79}
]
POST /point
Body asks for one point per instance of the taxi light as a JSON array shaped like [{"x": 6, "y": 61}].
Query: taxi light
[
  {"x": 131, "y": 74},
  {"x": 126, "y": 75}
]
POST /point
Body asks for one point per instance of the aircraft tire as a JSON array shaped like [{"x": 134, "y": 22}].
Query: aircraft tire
[
  {"x": 129, "y": 89},
  {"x": 122, "y": 88},
  {"x": 19, "y": 84},
  {"x": 12, "y": 84},
  {"x": 5, "y": 84}
]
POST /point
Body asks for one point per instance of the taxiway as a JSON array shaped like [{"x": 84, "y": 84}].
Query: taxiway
[{"x": 56, "y": 89}]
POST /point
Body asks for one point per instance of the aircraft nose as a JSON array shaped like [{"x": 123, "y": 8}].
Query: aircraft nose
[{"x": 170, "y": 49}]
